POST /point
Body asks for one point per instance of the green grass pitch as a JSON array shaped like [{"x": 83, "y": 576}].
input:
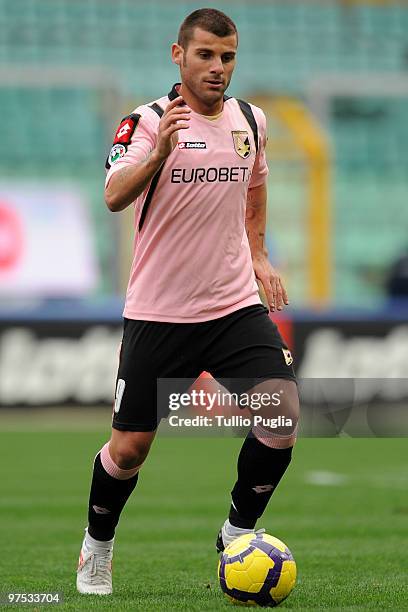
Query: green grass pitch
[{"x": 342, "y": 509}]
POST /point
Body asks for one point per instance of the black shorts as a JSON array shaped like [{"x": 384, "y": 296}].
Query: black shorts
[{"x": 243, "y": 346}]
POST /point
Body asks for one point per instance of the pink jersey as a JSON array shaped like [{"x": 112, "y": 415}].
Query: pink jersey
[{"x": 192, "y": 260}]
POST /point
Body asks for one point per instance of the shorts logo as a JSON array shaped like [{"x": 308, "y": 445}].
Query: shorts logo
[
  {"x": 120, "y": 389},
  {"x": 117, "y": 151},
  {"x": 242, "y": 144},
  {"x": 192, "y": 145},
  {"x": 288, "y": 356}
]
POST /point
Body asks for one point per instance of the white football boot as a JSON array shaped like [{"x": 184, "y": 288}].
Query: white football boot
[
  {"x": 228, "y": 533},
  {"x": 94, "y": 574}
]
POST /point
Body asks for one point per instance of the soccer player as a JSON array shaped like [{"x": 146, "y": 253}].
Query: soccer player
[{"x": 193, "y": 165}]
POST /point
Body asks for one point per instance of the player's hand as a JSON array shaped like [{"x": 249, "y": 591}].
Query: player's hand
[
  {"x": 271, "y": 283},
  {"x": 175, "y": 118}
]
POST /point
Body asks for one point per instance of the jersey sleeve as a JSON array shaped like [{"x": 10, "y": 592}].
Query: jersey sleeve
[
  {"x": 260, "y": 170},
  {"x": 134, "y": 139}
]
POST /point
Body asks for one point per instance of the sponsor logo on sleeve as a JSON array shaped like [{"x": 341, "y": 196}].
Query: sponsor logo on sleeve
[
  {"x": 123, "y": 137},
  {"x": 123, "y": 130},
  {"x": 126, "y": 128}
]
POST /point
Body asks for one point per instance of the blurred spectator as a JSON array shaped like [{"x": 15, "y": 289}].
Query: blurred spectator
[{"x": 397, "y": 282}]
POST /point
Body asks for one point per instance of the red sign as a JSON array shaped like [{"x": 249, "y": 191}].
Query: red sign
[{"x": 11, "y": 237}]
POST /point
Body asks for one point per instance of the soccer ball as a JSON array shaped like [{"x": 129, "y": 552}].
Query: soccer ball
[{"x": 257, "y": 569}]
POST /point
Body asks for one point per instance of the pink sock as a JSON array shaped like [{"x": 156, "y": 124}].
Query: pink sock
[{"x": 273, "y": 440}]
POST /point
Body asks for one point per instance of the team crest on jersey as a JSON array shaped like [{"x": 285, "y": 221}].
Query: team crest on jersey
[
  {"x": 116, "y": 152},
  {"x": 242, "y": 144},
  {"x": 288, "y": 356}
]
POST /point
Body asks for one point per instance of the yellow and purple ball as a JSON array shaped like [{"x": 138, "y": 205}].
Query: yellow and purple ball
[{"x": 257, "y": 569}]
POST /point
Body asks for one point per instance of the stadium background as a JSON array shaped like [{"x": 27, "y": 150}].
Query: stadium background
[{"x": 332, "y": 78}]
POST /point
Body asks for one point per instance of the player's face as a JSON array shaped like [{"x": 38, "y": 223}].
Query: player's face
[{"x": 206, "y": 66}]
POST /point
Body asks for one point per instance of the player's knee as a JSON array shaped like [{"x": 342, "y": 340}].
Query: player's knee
[
  {"x": 129, "y": 451},
  {"x": 128, "y": 458},
  {"x": 277, "y": 425},
  {"x": 289, "y": 400}
]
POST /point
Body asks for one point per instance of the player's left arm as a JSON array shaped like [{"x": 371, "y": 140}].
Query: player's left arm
[{"x": 265, "y": 273}]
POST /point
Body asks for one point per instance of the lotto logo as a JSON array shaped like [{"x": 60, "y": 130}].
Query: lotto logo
[
  {"x": 192, "y": 145},
  {"x": 123, "y": 130},
  {"x": 263, "y": 488},
  {"x": 126, "y": 128}
]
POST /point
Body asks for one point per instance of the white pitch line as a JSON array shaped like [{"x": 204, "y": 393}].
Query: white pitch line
[
  {"x": 326, "y": 479},
  {"x": 334, "y": 479}
]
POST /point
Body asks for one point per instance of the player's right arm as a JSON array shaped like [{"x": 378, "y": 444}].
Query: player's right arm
[{"x": 128, "y": 183}]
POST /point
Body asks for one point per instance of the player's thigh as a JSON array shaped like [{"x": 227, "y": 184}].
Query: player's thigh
[
  {"x": 253, "y": 362},
  {"x": 150, "y": 351},
  {"x": 249, "y": 348}
]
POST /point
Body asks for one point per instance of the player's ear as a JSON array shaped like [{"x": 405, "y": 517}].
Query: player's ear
[{"x": 176, "y": 54}]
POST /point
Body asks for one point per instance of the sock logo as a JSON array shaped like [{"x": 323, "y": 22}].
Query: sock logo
[
  {"x": 120, "y": 389},
  {"x": 263, "y": 488},
  {"x": 100, "y": 510}
]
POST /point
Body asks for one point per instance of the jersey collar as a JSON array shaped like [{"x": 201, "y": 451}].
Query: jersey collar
[{"x": 173, "y": 94}]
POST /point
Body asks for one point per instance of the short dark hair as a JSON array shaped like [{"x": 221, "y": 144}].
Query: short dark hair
[{"x": 208, "y": 19}]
